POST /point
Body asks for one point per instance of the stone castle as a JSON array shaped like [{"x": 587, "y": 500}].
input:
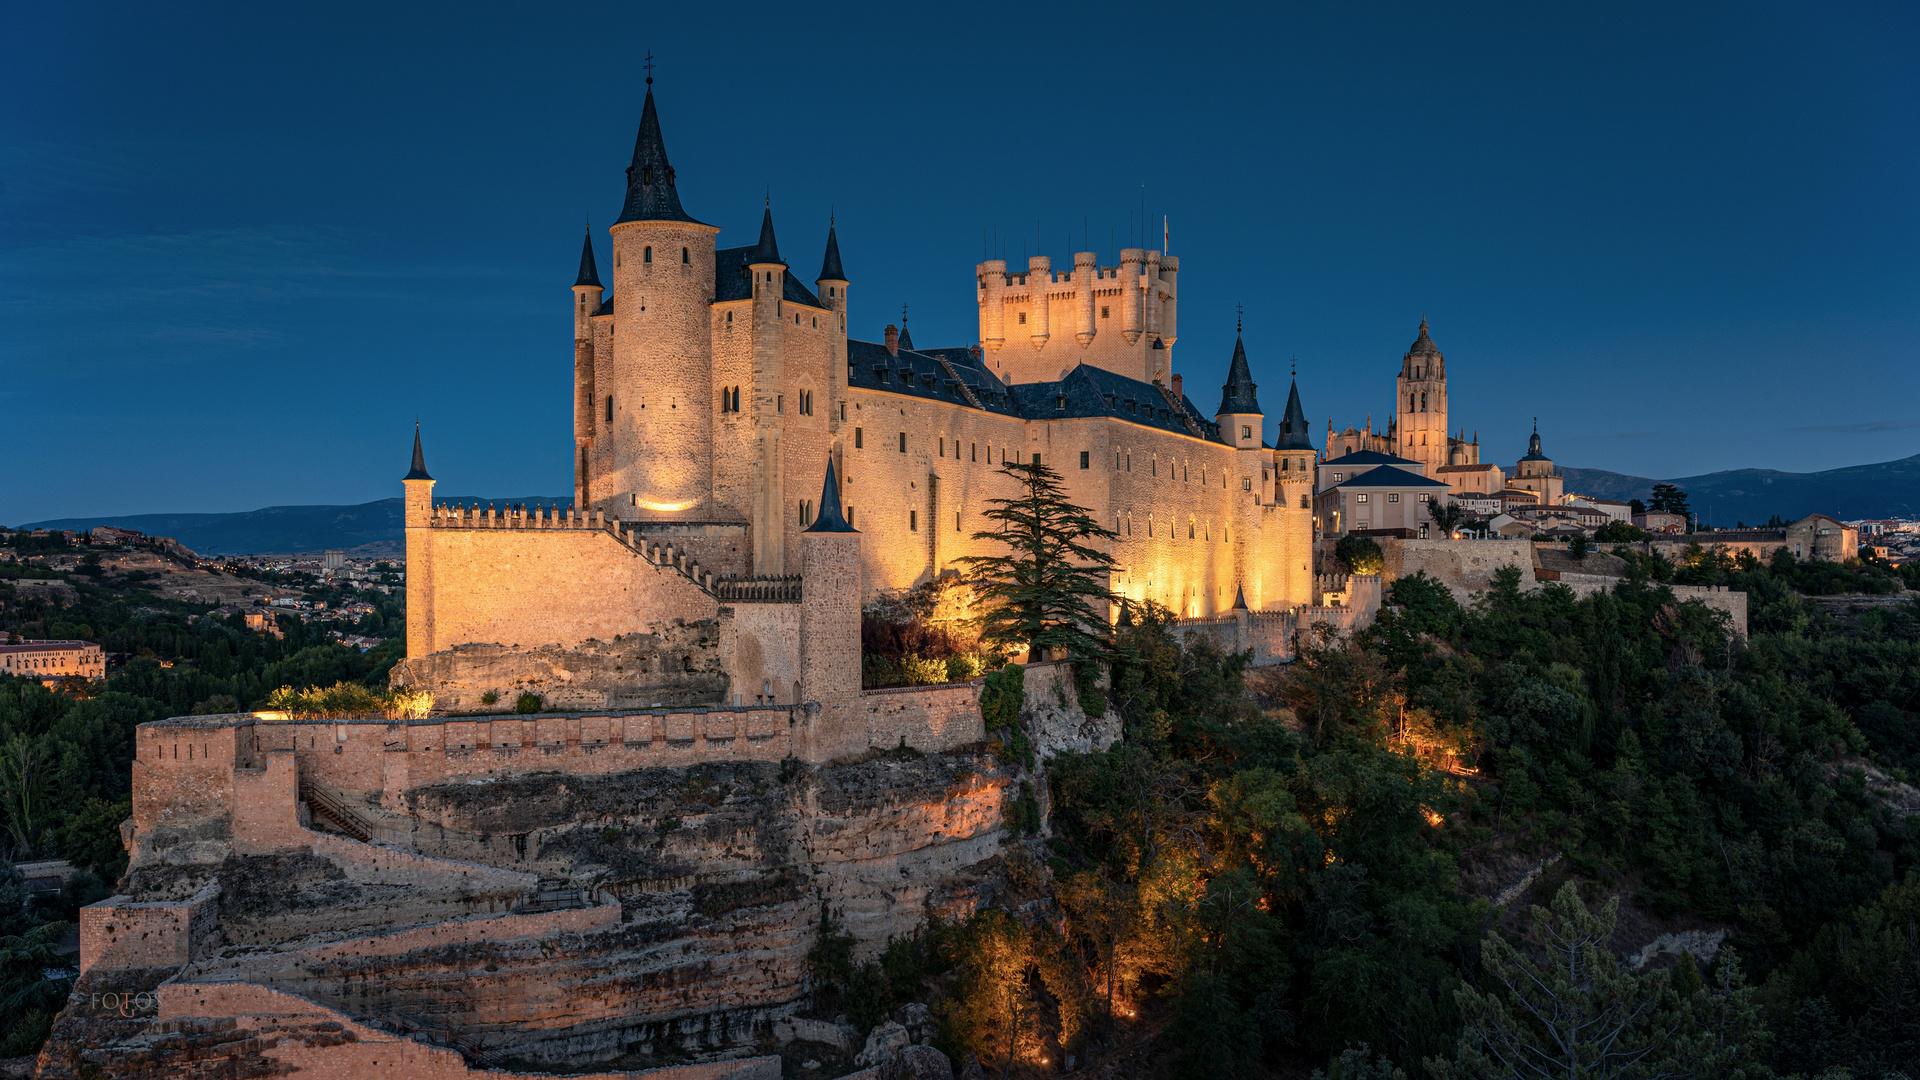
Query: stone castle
[{"x": 747, "y": 474}]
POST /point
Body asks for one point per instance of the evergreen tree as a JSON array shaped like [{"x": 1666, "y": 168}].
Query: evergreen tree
[{"x": 1048, "y": 593}]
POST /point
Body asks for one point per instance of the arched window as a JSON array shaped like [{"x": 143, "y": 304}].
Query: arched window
[
  {"x": 685, "y": 256},
  {"x": 646, "y": 255}
]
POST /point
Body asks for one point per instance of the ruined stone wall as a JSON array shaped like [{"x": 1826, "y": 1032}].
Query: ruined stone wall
[
  {"x": 120, "y": 932},
  {"x": 1463, "y": 566}
]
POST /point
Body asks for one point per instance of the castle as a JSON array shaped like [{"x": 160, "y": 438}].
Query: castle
[{"x": 721, "y": 409}]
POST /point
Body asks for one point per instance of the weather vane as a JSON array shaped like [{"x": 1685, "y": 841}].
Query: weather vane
[
  {"x": 649, "y": 66},
  {"x": 1238, "y": 318}
]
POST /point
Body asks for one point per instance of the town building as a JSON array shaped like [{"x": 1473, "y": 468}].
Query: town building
[
  {"x": 51, "y": 661},
  {"x": 1386, "y": 500},
  {"x": 1537, "y": 473}
]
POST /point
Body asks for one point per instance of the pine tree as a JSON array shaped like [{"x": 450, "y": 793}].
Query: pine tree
[{"x": 1048, "y": 593}]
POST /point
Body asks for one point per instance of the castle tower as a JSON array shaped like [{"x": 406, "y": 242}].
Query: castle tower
[
  {"x": 586, "y": 304},
  {"x": 655, "y": 454},
  {"x": 1294, "y": 456},
  {"x": 769, "y": 273},
  {"x": 419, "y": 520},
  {"x": 830, "y": 589},
  {"x": 1241, "y": 421},
  {"x": 1420, "y": 429},
  {"x": 831, "y": 287},
  {"x": 1242, "y": 426}
]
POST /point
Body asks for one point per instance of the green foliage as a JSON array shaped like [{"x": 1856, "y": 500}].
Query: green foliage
[
  {"x": 1048, "y": 593},
  {"x": 351, "y": 699},
  {"x": 528, "y": 703},
  {"x": 1670, "y": 499},
  {"x": 1360, "y": 554},
  {"x": 1620, "y": 532},
  {"x": 491, "y": 697},
  {"x": 1579, "y": 547}
]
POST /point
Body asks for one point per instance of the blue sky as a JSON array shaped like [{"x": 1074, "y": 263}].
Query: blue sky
[{"x": 242, "y": 247}]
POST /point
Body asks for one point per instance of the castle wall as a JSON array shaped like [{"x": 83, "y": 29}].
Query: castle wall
[
  {"x": 1463, "y": 566},
  {"x": 759, "y": 642},
  {"x": 532, "y": 586},
  {"x": 1047, "y": 320}
]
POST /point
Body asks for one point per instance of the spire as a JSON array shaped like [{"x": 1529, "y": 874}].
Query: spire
[
  {"x": 768, "y": 251},
  {"x": 1237, "y": 395},
  {"x": 829, "y": 519},
  {"x": 419, "y": 471},
  {"x": 906, "y": 339},
  {"x": 830, "y": 266},
  {"x": 650, "y": 192},
  {"x": 1240, "y": 598},
  {"x": 589, "y": 273},
  {"x": 1293, "y": 427}
]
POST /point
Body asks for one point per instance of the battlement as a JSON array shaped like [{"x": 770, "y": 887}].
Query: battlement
[{"x": 1122, "y": 318}]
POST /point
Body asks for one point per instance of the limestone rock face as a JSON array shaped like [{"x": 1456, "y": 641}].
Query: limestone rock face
[
  {"x": 663, "y": 911},
  {"x": 922, "y": 1063},
  {"x": 677, "y": 664},
  {"x": 884, "y": 1043}
]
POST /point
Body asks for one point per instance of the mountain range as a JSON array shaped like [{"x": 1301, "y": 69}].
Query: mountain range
[
  {"x": 1884, "y": 490},
  {"x": 368, "y": 529}
]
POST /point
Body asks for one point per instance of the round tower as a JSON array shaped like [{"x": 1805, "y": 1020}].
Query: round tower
[
  {"x": 1039, "y": 276},
  {"x": 586, "y": 304},
  {"x": 1086, "y": 278},
  {"x": 658, "y": 410},
  {"x": 993, "y": 312}
]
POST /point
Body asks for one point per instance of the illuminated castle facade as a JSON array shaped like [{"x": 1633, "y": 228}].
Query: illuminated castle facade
[{"x": 715, "y": 387}]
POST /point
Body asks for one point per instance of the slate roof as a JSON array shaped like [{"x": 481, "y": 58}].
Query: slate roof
[
  {"x": 651, "y": 195},
  {"x": 733, "y": 281},
  {"x": 419, "y": 471},
  {"x": 768, "y": 250},
  {"x": 830, "y": 519},
  {"x": 1088, "y": 391},
  {"x": 1237, "y": 396},
  {"x": 1369, "y": 457},
  {"x": 830, "y": 266},
  {"x": 1295, "y": 433},
  {"x": 1388, "y": 476},
  {"x": 589, "y": 274},
  {"x": 1533, "y": 448}
]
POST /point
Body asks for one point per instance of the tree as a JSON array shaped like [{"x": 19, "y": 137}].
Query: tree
[
  {"x": 1636, "y": 506},
  {"x": 1579, "y": 546},
  {"x": 1361, "y": 554},
  {"x": 1620, "y": 532},
  {"x": 1671, "y": 499},
  {"x": 1048, "y": 593},
  {"x": 1447, "y": 515}
]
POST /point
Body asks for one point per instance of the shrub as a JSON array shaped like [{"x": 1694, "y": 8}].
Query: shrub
[
  {"x": 921, "y": 671},
  {"x": 1360, "y": 554},
  {"x": 491, "y": 697},
  {"x": 350, "y": 700},
  {"x": 528, "y": 702}
]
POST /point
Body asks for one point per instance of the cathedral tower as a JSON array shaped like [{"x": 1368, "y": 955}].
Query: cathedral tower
[
  {"x": 656, "y": 455},
  {"x": 1421, "y": 415}
]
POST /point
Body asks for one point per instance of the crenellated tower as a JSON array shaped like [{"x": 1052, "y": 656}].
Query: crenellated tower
[
  {"x": 1118, "y": 318},
  {"x": 654, "y": 456}
]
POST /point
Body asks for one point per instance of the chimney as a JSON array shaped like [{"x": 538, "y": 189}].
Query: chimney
[
  {"x": 1178, "y": 394},
  {"x": 893, "y": 340}
]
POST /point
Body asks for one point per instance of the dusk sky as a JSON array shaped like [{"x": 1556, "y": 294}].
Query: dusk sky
[{"x": 243, "y": 247}]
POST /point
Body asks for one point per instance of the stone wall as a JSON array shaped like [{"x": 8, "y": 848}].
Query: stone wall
[
  {"x": 1732, "y": 602},
  {"x": 1274, "y": 636},
  {"x": 1463, "y": 566}
]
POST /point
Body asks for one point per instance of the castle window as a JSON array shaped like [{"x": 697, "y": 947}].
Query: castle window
[
  {"x": 685, "y": 256},
  {"x": 1085, "y": 459},
  {"x": 806, "y": 513},
  {"x": 1132, "y": 408},
  {"x": 1023, "y": 318},
  {"x": 943, "y": 446},
  {"x": 1116, "y": 461},
  {"x": 1246, "y": 431},
  {"x": 843, "y": 410},
  {"x": 779, "y": 403},
  {"x": 647, "y": 255},
  {"x": 1305, "y": 504},
  {"x": 849, "y": 513},
  {"x": 1060, "y": 402},
  {"x": 609, "y": 408},
  {"x": 973, "y": 451},
  {"x": 729, "y": 318},
  {"x": 796, "y": 318},
  {"x": 903, "y": 442},
  {"x": 816, "y": 322},
  {"x": 1393, "y": 496},
  {"x": 1423, "y": 403},
  {"x": 859, "y": 438},
  {"x": 1103, "y": 311},
  {"x": 913, "y": 521},
  {"x": 956, "y": 521},
  {"x": 1246, "y": 483},
  {"x": 1036, "y": 459},
  {"x": 1190, "y": 529}
]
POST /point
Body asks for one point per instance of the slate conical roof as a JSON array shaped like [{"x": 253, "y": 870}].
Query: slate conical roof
[
  {"x": 650, "y": 192},
  {"x": 589, "y": 272},
  {"x": 830, "y": 266},
  {"x": 767, "y": 251},
  {"x": 906, "y": 339},
  {"x": 419, "y": 471},
  {"x": 830, "y": 519},
  {"x": 1294, "y": 434},
  {"x": 1237, "y": 395}
]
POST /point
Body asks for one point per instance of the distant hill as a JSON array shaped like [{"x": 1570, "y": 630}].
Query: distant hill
[
  {"x": 1884, "y": 490},
  {"x": 373, "y": 528}
]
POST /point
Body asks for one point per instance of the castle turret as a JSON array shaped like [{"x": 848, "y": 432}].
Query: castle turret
[
  {"x": 1039, "y": 275},
  {"x": 769, "y": 273},
  {"x": 586, "y": 304},
  {"x": 1170, "y": 307},
  {"x": 830, "y": 589},
  {"x": 1241, "y": 421},
  {"x": 993, "y": 310},
  {"x": 418, "y": 518},
  {"x": 1086, "y": 278},
  {"x": 831, "y": 287},
  {"x": 1294, "y": 456},
  {"x": 1131, "y": 320},
  {"x": 653, "y": 447}
]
